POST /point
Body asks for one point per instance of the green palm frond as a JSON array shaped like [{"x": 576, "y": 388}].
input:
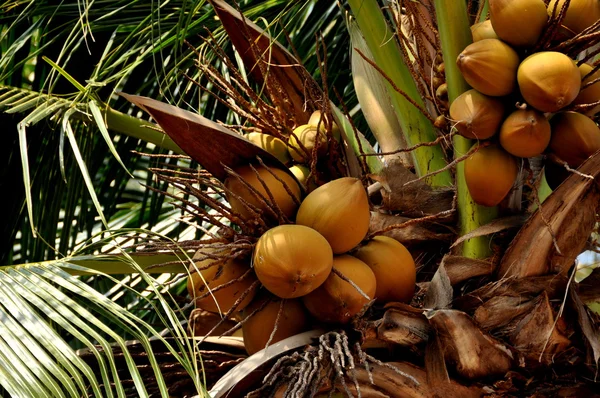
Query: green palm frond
[
  {"x": 41, "y": 303},
  {"x": 58, "y": 62}
]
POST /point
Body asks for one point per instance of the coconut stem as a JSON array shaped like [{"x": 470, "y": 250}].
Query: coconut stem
[{"x": 455, "y": 35}]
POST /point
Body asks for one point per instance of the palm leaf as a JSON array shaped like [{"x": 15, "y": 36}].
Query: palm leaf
[{"x": 39, "y": 303}]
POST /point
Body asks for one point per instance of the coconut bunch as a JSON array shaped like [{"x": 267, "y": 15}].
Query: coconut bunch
[
  {"x": 533, "y": 92},
  {"x": 304, "y": 147},
  {"x": 282, "y": 254},
  {"x": 320, "y": 269}
]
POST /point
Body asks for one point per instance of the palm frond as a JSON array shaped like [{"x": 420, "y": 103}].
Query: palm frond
[{"x": 42, "y": 303}]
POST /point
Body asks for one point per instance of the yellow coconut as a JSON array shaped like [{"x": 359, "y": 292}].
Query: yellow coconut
[
  {"x": 525, "y": 133},
  {"x": 490, "y": 174},
  {"x": 257, "y": 329},
  {"x": 317, "y": 120},
  {"x": 337, "y": 301},
  {"x": 476, "y": 116},
  {"x": 213, "y": 273},
  {"x": 302, "y": 172},
  {"x": 393, "y": 266},
  {"x": 271, "y": 144},
  {"x": 591, "y": 93},
  {"x": 575, "y": 137},
  {"x": 518, "y": 22},
  {"x": 292, "y": 260},
  {"x": 303, "y": 141},
  {"x": 581, "y": 14},
  {"x": 489, "y": 66},
  {"x": 283, "y": 200},
  {"x": 549, "y": 80},
  {"x": 483, "y": 30},
  {"x": 339, "y": 210}
]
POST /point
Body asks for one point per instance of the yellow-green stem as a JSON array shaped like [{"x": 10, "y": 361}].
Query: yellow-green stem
[
  {"x": 455, "y": 35},
  {"x": 138, "y": 128},
  {"x": 416, "y": 127},
  {"x": 484, "y": 11}
]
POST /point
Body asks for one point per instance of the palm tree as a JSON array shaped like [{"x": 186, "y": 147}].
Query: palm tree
[
  {"x": 503, "y": 314},
  {"x": 79, "y": 150}
]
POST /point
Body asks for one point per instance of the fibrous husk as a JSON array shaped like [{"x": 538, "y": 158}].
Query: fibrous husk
[
  {"x": 501, "y": 311},
  {"x": 589, "y": 328},
  {"x": 416, "y": 199},
  {"x": 473, "y": 353},
  {"x": 439, "y": 292},
  {"x": 512, "y": 287},
  {"x": 401, "y": 380},
  {"x": 401, "y": 324},
  {"x": 536, "y": 335},
  {"x": 408, "y": 234},
  {"x": 460, "y": 268},
  {"x": 555, "y": 234}
]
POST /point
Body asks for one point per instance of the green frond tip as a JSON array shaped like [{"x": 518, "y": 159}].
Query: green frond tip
[{"x": 416, "y": 127}]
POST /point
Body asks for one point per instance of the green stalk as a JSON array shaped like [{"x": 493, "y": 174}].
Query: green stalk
[
  {"x": 141, "y": 129},
  {"x": 455, "y": 35},
  {"x": 416, "y": 127},
  {"x": 484, "y": 11}
]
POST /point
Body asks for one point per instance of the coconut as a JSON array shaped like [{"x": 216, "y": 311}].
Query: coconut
[
  {"x": 489, "y": 66},
  {"x": 337, "y": 301},
  {"x": 303, "y": 141},
  {"x": 213, "y": 273},
  {"x": 490, "y": 174},
  {"x": 483, "y": 30},
  {"x": 581, "y": 14},
  {"x": 271, "y": 144},
  {"x": 476, "y": 116},
  {"x": 525, "y": 133},
  {"x": 257, "y": 329},
  {"x": 322, "y": 122},
  {"x": 575, "y": 137},
  {"x": 301, "y": 172},
  {"x": 518, "y": 22},
  {"x": 549, "y": 80},
  {"x": 339, "y": 210},
  {"x": 393, "y": 266},
  {"x": 282, "y": 198},
  {"x": 292, "y": 260},
  {"x": 591, "y": 93}
]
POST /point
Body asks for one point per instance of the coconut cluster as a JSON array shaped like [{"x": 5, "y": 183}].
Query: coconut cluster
[
  {"x": 304, "y": 142},
  {"x": 523, "y": 100},
  {"x": 315, "y": 270}
]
